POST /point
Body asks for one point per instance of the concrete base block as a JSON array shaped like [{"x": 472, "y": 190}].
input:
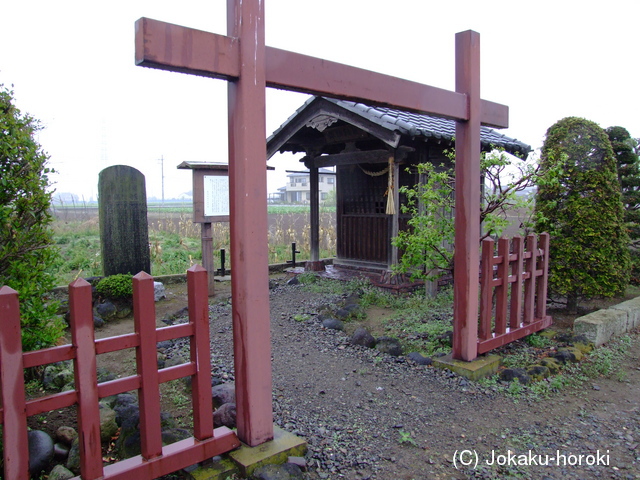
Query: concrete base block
[
  {"x": 317, "y": 266},
  {"x": 276, "y": 451},
  {"x": 632, "y": 307},
  {"x": 483, "y": 366},
  {"x": 601, "y": 325}
]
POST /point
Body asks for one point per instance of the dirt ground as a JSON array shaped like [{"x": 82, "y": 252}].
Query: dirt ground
[{"x": 367, "y": 415}]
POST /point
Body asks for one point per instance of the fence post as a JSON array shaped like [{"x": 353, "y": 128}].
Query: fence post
[
  {"x": 541, "y": 302},
  {"x": 516, "y": 288},
  {"x": 14, "y": 430},
  {"x": 502, "y": 290},
  {"x": 85, "y": 375},
  {"x": 486, "y": 289},
  {"x": 530, "y": 281},
  {"x": 200, "y": 352},
  {"x": 144, "y": 316}
]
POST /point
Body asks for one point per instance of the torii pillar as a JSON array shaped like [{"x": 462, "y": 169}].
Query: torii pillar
[{"x": 249, "y": 66}]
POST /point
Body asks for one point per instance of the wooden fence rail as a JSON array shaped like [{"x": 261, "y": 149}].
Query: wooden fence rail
[
  {"x": 155, "y": 460},
  {"x": 513, "y": 290}
]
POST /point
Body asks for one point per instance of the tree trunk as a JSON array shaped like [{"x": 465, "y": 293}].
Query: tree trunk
[{"x": 572, "y": 303}]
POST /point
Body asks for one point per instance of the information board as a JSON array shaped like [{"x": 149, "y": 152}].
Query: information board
[{"x": 216, "y": 195}]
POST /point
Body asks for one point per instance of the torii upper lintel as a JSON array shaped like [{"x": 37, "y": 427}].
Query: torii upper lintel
[{"x": 175, "y": 48}]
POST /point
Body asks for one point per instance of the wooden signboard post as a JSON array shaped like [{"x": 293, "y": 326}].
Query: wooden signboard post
[{"x": 210, "y": 204}]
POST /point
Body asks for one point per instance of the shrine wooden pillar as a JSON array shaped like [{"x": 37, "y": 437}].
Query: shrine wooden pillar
[
  {"x": 248, "y": 223},
  {"x": 467, "y": 200},
  {"x": 314, "y": 214}
]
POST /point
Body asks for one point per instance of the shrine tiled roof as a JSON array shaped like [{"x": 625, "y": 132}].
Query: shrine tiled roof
[
  {"x": 422, "y": 125},
  {"x": 417, "y": 125}
]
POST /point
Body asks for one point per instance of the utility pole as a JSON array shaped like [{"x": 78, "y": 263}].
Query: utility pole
[{"x": 162, "y": 175}]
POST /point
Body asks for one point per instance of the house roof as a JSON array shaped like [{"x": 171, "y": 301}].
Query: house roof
[
  {"x": 414, "y": 125},
  {"x": 306, "y": 173}
]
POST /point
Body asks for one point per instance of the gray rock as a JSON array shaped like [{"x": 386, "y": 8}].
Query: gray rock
[
  {"x": 98, "y": 321},
  {"x": 293, "y": 281},
  {"x": 158, "y": 291},
  {"x": 59, "y": 472},
  {"x": 225, "y": 416},
  {"x": 510, "y": 374},
  {"x": 66, "y": 435},
  {"x": 353, "y": 299},
  {"x": 40, "y": 451},
  {"x": 73, "y": 460},
  {"x": 286, "y": 471},
  {"x": 362, "y": 337},
  {"x": 172, "y": 435},
  {"x": 106, "y": 310},
  {"x": 419, "y": 358},
  {"x": 60, "y": 451},
  {"x": 348, "y": 311},
  {"x": 173, "y": 361},
  {"x": 62, "y": 378},
  {"x": 51, "y": 378},
  {"x": 389, "y": 345},
  {"x": 108, "y": 425},
  {"x": 332, "y": 324},
  {"x": 223, "y": 393}
]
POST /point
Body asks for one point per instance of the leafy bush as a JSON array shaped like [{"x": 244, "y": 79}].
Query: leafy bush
[
  {"x": 116, "y": 286},
  {"x": 26, "y": 248},
  {"x": 579, "y": 204}
]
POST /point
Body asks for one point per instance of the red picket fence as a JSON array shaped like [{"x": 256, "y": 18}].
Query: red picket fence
[
  {"x": 156, "y": 460},
  {"x": 513, "y": 290}
]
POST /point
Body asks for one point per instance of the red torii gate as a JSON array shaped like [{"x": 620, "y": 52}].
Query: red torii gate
[{"x": 243, "y": 59}]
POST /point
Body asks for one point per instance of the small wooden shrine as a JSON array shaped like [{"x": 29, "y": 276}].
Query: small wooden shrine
[{"x": 373, "y": 150}]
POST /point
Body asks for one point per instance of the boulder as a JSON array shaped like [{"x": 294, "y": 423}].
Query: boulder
[
  {"x": 73, "y": 460},
  {"x": 510, "y": 374},
  {"x": 59, "y": 472},
  {"x": 389, "y": 345},
  {"x": 158, "y": 291},
  {"x": 172, "y": 435},
  {"x": 106, "y": 310},
  {"x": 40, "y": 452},
  {"x": 332, "y": 323},
  {"x": 538, "y": 372},
  {"x": 552, "y": 364},
  {"x": 66, "y": 435},
  {"x": 223, "y": 393},
  {"x": 363, "y": 337},
  {"x": 225, "y": 416},
  {"x": 419, "y": 358},
  {"x": 108, "y": 425}
]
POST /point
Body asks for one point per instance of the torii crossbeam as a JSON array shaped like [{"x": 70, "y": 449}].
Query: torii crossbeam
[{"x": 249, "y": 66}]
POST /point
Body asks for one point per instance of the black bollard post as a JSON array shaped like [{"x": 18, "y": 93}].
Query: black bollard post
[
  {"x": 293, "y": 255},
  {"x": 222, "y": 271}
]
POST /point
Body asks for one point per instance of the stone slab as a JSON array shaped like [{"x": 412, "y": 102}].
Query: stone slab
[
  {"x": 600, "y": 326},
  {"x": 221, "y": 468},
  {"x": 276, "y": 451},
  {"x": 483, "y": 366},
  {"x": 632, "y": 307}
]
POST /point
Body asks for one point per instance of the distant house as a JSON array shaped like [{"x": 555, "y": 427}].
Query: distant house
[
  {"x": 375, "y": 151},
  {"x": 298, "y": 187}
]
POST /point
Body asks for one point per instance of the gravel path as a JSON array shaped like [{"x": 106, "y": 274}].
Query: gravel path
[{"x": 367, "y": 415}]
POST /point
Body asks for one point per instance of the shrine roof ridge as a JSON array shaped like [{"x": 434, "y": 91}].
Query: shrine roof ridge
[{"x": 416, "y": 125}]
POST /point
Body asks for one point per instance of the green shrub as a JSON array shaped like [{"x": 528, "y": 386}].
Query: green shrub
[
  {"x": 27, "y": 253},
  {"x": 116, "y": 286},
  {"x": 578, "y": 203}
]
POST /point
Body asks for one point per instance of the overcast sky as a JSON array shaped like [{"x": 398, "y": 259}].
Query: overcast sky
[{"x": 71, "y": 64}]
